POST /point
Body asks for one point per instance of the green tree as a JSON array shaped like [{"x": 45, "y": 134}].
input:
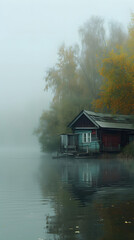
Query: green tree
[
  {"x": 68, "y": 98},
  {"x": 93, "y": 44},
  {"x": 117, "y": 37}
]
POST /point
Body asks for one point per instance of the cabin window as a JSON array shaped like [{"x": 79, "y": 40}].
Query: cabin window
[
  {"x": 86, "y": 137},
  {"x": 89, "y": 137}
]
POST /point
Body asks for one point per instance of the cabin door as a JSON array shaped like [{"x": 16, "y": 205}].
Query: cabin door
[{"x": 111, "y": 142}]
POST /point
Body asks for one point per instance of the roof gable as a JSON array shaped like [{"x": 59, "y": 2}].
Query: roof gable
[{"x": 83, "y": 121}]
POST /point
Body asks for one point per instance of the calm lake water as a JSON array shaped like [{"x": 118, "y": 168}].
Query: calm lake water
[{"x": 43, "y": 198}]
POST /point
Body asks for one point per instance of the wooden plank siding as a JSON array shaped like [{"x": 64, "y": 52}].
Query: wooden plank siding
[{"x": 83, "y": 122}]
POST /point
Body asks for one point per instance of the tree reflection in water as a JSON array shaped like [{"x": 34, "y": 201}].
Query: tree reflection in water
[{"x": 90, "y": 199}]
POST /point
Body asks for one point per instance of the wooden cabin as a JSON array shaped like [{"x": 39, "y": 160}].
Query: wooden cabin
[{"x": 97, "y": 132}]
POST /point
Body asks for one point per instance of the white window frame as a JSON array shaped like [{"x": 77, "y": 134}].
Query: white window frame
[{"x": 86, "y": 137}]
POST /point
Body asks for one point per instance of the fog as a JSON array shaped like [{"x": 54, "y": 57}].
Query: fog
[{"x": 31, "y": 33}]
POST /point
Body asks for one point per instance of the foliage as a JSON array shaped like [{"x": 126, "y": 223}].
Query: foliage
[
  {"x": 93, "y": 43},
  {"x": 117, "y": 37},
  {"x": 117, "y": 90},
  {"x": 68, "y": 100},
  {"x": 62, "y": 79},
  {"x": 128, "y": 151},
  {"x": 117, "y": 69},
  {"x": 131, "y": 37}
]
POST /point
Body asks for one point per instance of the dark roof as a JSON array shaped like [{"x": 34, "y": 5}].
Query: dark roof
[{"x": 107, "y": 120}]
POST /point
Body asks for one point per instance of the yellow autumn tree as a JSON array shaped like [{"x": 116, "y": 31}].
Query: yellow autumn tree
[
  {"x": 117, "y": 69},
  {"x": 117, "y": 90}
]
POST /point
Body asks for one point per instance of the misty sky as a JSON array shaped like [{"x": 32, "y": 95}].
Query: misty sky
[{"x": 31, "y": 32}]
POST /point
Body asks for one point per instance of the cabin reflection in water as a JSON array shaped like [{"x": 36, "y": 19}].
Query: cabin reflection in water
[{"x": 93, "y": 175}]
